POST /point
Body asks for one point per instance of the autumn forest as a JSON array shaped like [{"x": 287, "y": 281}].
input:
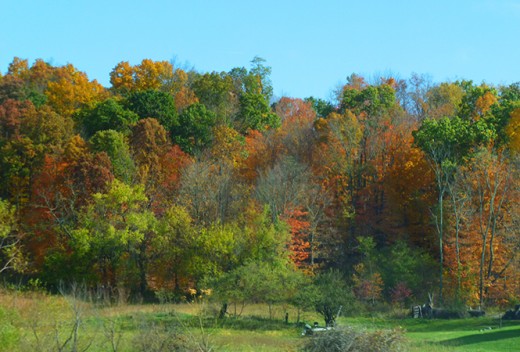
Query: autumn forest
[{"x": 172, "y": 182}]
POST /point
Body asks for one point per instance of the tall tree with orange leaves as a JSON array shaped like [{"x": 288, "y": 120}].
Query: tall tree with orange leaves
[
  {"x": 495, "y": 195},
  {"x": 299, "y": 245},
  {"x": 158, "y": 162}
]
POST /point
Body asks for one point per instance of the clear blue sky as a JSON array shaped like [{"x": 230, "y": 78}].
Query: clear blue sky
[{"x": 312, "y": 46}]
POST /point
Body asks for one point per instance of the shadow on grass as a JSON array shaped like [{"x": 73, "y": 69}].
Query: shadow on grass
[
  {"x": 469, "y": 324},
  {"x": 480, "y": 338}
]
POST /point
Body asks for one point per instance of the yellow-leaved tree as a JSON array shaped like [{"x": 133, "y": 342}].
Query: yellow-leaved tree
[
  {"x": 71, "y": 90},
  {"x": 513, "y": 131}
]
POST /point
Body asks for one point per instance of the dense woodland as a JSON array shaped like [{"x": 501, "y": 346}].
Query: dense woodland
[{"x": 173, "y": 181}]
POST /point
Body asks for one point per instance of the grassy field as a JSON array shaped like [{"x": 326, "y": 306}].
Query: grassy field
[
  {"x": 471, "y": 334},
  {"x": 36, "y": 321}
]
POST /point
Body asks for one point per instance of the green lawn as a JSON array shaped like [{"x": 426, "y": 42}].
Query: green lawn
[
  {"x": 468, "y": 335},
  {"x": 472, "y": 334}
]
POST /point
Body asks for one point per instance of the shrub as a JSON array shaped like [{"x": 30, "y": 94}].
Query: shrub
[
  {"x": 157, "y": 338},
  {"x": 348, "y": 339}
]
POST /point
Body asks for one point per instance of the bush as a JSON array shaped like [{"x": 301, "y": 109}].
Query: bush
[
  {"x": 348, "y": 339},
  {"x": 157, "y": 338}
]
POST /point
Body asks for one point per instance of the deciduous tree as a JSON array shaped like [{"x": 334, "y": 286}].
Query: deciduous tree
[
  {"x": 72, "y": 90},
  {"x": 446, "y": 142},
  {"x": 255, "y": 114},
  {"x": 10, "y": 239},
  {"x": 111, "y": 233},
  {"x": 115, "y": 145},
  {"x": 194, "y": 130},
  {"x": 106, "y": 115},
  {"x": 154, "y": 104}
]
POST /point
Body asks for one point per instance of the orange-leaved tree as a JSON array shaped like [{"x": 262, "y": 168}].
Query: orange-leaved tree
[{"x": 299, "y": 245}]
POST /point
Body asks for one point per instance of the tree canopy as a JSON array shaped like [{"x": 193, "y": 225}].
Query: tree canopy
[{"x": 173, "y": 180}]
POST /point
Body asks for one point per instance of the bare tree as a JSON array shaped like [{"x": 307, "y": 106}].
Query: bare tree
[
  {"x": 283, "y": 186},
  {"x": 418, "y": 86},
  {"x": 209, "y": 191},
  {"x": 75, "y": 297}
]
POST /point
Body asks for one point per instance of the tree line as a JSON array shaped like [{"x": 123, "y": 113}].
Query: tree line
[{"x": 173, "y": 180}]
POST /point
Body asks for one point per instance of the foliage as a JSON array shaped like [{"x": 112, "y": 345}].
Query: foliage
[
  {"x": 513, "y": 131},
  {"x": 406, "y": 268},
  {"x": 299, "y": 244},
  {"x": 449, "y": 139},
  {"x": 71, "y": 90},
  {"x": 155, "y": 104},
  {"x": 171, "y": 176},
  {"x": 442, "y": 100},
  {"x": 257, "y": 282},
  {"x": 213, "y": 90},
  {"x": 369, "y": 100},
  {"x": 260, "y": 70},
  {"x": 333, "y": 296},
  {"x": 159, "y": 163},
  {"x": 111, "y": 231},
  {"x": 10, "y": 240},
  {"x": 194, "y": 130},
  {"x": 321, "y": 107},
  {"x": 172, "y": 250},
  {"x": 447, "y": 142},
  {"x": 107, "y": 115},
  {"x": 476, "y": 101},
  {"x": 255, "y": 114},
  {"x": 115, "y": 145},
  {"x": 147, "y": 75}
]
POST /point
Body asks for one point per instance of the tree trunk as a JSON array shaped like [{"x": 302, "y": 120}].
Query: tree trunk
[{"x": 441, "y": 249}]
